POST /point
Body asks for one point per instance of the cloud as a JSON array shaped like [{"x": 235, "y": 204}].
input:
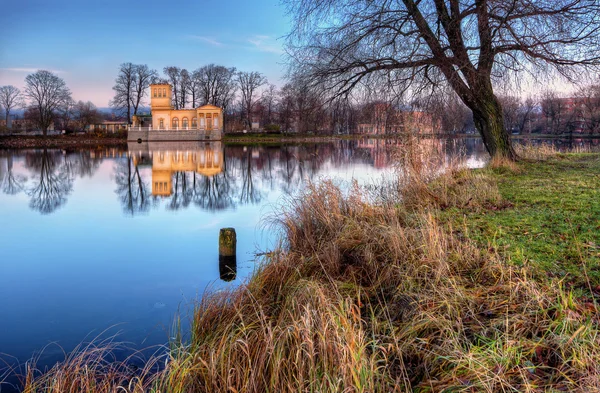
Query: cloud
[
  {"x": 208, "y": 40},
  {"x": 264, "y": 43},
  {"x": 29, "y": 70}
]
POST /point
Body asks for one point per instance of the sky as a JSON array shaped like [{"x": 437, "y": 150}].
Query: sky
[{"x": 85, "y": 41}]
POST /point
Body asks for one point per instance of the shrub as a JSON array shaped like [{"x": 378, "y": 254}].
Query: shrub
[{"x": 272, "y": 128}]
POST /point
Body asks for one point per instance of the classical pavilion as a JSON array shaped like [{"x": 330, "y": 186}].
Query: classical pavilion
[{"x": 169, "y": 124}]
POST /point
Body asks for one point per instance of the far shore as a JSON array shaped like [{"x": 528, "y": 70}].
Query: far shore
[{"x": 115, "y": 140}]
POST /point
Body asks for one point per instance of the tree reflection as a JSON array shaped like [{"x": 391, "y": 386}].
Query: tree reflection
[
  {"x": 238, "y": 175},
  {"x": 213, "y": 193},
  {"x": 182, "y": 192},
  {"x": 52, "y": 182},
  {"x": 12, "y": 183},
  {"x": 249, "y": 193},
  {"x": 133, "y": 192}
]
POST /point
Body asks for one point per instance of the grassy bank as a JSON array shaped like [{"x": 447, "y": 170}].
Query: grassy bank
[{"x": 468, "y": 281}]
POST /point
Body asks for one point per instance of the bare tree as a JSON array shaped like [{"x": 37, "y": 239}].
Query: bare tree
[
  {"x": 553, "y": 110},
  {"x": 526, "y": 115},
  {"x": 269, "y": 101},
  {"x": 142, "y": 77},
  {"x": 467, "y": 44},
  {"x": 123, "y": 88},
  {"x": 65, "y": 115},
  {"x": 131, "y": 86},
  {"x": 216, "y": 85},
  {"x": 184, "y": 87},
  {"x": 589, "y": 97},
  {"x": 248, "y": 83},
  {"x": 511, "y": 106},
  {"x": 10, "y": 98},
  {"x": 46, "y": 93},
  {"x": 193, "y": 88},
  {"x": 86, "y": 114},
  {"x": 173, "y": 75}
]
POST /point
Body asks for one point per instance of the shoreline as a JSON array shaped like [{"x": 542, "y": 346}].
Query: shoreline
[
  {"x": 475, "y": 276},
  {"x": 85, "y": 141}
]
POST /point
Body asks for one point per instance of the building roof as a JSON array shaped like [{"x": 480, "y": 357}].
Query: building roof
[{"x": 208, "y": 106}]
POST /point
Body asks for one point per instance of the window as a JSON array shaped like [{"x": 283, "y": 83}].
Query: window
[
  {"x": 184, "y": 122},
  {"x": 154, "y": 92},
  {"x": 175, "y": 122},
  {"x": 161, "y": 123},
  {"x": 194, "y": 122},
  {"x": 201, "y": 122},
  {"x": 215, "y": 122},
  {"x": 164, "y": 91}
]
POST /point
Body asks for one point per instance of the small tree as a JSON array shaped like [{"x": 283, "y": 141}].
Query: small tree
[
  {"x": 10, "y": 98},
  {"x": 46, "y": 93},
  {"x": 86, "y": 114}
]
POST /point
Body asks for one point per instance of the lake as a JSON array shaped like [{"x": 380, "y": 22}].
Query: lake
[{"x": 103, "y": 242}]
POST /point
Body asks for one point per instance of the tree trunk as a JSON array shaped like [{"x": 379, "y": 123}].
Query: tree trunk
[{"x": 489, "y": 121}]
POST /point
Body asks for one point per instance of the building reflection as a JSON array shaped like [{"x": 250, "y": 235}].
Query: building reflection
[{"x": 169, "y": 160}]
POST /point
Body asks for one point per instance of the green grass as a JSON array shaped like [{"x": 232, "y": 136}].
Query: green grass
[{"x": 552, "y": 222}]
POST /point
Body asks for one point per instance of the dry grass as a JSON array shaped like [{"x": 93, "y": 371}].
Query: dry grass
[{"x": 376, "y": 297}]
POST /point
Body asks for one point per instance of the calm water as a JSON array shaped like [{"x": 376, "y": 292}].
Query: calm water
[{"x": 99, "y": 242}]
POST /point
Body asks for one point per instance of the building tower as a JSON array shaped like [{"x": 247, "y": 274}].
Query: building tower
[{"x": 160, "y": 96}]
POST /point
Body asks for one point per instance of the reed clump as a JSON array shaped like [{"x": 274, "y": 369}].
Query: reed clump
[{"x": 379, "y": 296}]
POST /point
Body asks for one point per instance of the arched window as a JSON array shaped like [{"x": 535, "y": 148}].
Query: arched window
[
  {"x": 194, "y": 122},
  {"x": 184, "y": 122},
  {"x": 154, "y": 92},
  {"x": 161, "y": 124},
  {"x": 164, "y": 91},
  {"x": 175, "y": 122}
]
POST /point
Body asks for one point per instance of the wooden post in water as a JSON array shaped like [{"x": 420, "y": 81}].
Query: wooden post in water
[{"x": 227, "y": 254}]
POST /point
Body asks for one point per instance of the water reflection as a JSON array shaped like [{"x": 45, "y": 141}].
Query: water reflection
[
  {"x": 107, "y": 220},
  {"x": 48, "y": 175},
  {"x": 227, "y": 267},
  {"x": 211, "y": 176}
]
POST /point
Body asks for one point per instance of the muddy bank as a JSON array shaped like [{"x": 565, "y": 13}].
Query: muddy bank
[{"x": 60, "y": 141}]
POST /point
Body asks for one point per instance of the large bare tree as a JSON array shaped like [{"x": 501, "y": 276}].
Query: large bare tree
[
  {"x": 10, "y": 98},
  {"x": 173, "y": 75},
  {"x": 468, "y": 44},
  {"x": 216, "y": 84},
  {"x": 131, "y": 86},
  {"x": 47, "y": 93},
  {"x": 249, "y": 83},
  {"x": 123, "y": 99},
  {"x": 142, "y": 77}
]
